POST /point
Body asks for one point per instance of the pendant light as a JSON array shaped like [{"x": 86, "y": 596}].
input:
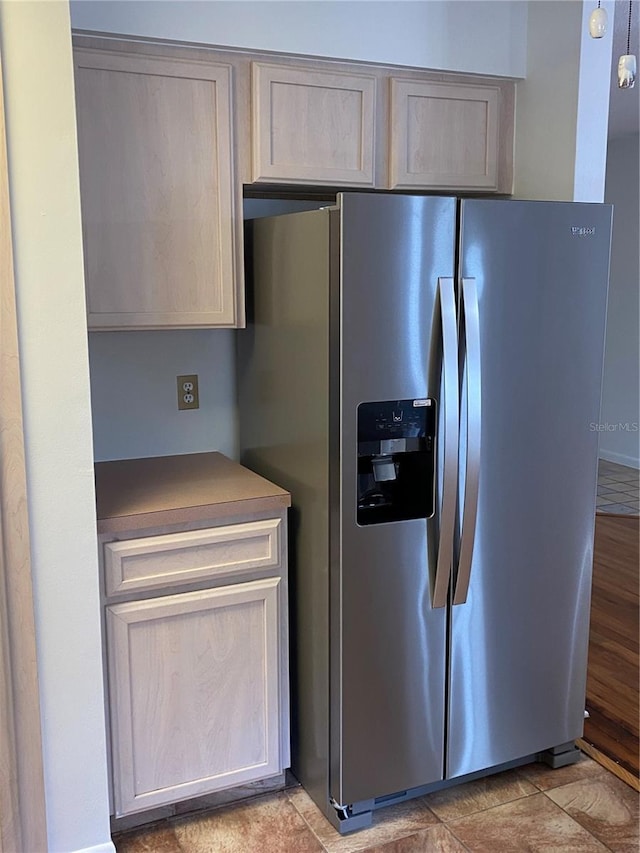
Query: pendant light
[
  {"x": 627, "y": 62},
  {"x": 598, "y": 22}
]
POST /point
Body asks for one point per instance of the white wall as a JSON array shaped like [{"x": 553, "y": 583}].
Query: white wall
[
  {"x": 620, "y": 394},
  {"x": 485, "y": 36},
  {"x": 562, "y": 106},
  {"x": 592, "y": 120},
  {"x": 43, "y": 178}
]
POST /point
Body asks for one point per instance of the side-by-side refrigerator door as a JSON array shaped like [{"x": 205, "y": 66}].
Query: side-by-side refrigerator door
[
  {"x": 535, "y": 276},
  {"x": 388, "y": 642}
]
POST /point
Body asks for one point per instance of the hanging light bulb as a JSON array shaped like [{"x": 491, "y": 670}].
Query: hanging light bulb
[
  {"x": 598, "y": 22},
  {"x": 627, "y": 62}
]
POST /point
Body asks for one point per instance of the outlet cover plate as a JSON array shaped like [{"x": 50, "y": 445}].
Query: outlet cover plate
[{"x": 188, "y": 397}]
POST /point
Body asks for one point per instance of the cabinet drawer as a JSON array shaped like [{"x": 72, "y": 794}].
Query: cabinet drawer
[{"x": 177, "y": 558}]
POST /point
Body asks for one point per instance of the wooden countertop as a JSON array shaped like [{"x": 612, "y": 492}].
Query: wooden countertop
[{"x": 136, "y": 493}]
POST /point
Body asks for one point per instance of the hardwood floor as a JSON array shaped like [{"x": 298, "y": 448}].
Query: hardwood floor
[{"x": 614, "y": 675}]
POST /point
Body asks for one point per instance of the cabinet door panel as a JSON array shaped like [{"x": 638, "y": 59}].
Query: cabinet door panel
[
  {"x": 311, "y": 126},
  {"x": 155, "y": 152},
  {"x": 194, "y": 689},
  {"x": 443, "y": 135}
]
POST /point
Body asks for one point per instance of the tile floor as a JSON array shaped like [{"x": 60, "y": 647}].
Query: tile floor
[
  {"x": 617, "y": 488},
  {"x": 579, "y": 808}
]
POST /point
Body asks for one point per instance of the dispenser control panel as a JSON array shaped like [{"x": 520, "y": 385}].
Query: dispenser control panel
[{"x": 396, "y": 445}]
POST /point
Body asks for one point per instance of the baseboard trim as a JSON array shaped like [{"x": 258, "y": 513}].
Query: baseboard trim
[
  {"x": 608, "y": 763},
  {"x": 98, "y": 848},
  {"x": 620, "y": 458}
]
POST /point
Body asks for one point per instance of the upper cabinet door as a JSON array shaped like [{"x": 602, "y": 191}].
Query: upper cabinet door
[
  {"x": 158, "y": 196},
  {"x": 443, "y": 135},
  {"x": 311, "y": 126}
]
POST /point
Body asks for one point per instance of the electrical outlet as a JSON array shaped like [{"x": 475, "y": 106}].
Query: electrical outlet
[{"x": 188, "y": 392}]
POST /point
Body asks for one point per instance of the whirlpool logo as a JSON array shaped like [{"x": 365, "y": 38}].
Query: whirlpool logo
[{"x": 583, "y": 230}]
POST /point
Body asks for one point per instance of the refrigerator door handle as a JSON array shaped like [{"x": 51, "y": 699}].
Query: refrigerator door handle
[
  {"x": 451, "y": 415},
  {"x": 469, "y": 304}
]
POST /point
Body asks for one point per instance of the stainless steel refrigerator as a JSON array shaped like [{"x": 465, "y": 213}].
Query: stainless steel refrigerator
[{"x": 423, "y": 374}]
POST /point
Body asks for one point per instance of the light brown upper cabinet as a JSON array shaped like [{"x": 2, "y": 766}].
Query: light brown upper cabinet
[
  {"x": 169, "y": 134},
  {"x": 312, "y": 126},
  {"x": 160, "y": 207},
  {"x": 444, "y": 135}
]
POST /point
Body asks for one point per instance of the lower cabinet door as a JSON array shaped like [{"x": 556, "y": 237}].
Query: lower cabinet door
[{"x": 194, "y": 693}]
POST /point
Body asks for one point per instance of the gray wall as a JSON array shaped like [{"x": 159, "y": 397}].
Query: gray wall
[
  {"x": 619, "y": 437},
  {"x": 134, "y": 393}
]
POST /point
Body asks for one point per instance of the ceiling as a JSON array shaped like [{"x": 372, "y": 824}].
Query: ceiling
[{"x": 624, "y": 112}]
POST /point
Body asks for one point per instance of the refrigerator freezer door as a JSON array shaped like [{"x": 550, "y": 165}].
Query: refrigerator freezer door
[
  {"x": 519, "y": 643},
  {"x": 388, "y": 644}
]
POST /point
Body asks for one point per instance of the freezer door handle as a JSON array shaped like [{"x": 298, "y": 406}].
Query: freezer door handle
[
  {"x": 451, "y": 416},
  {"x": 471, "y": 318}
]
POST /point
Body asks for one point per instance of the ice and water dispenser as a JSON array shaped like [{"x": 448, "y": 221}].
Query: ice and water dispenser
[{"x": 396, "y": 445}]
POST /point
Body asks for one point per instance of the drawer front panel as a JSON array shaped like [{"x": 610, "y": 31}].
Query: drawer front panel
[{"x": 194, "y": 555}]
